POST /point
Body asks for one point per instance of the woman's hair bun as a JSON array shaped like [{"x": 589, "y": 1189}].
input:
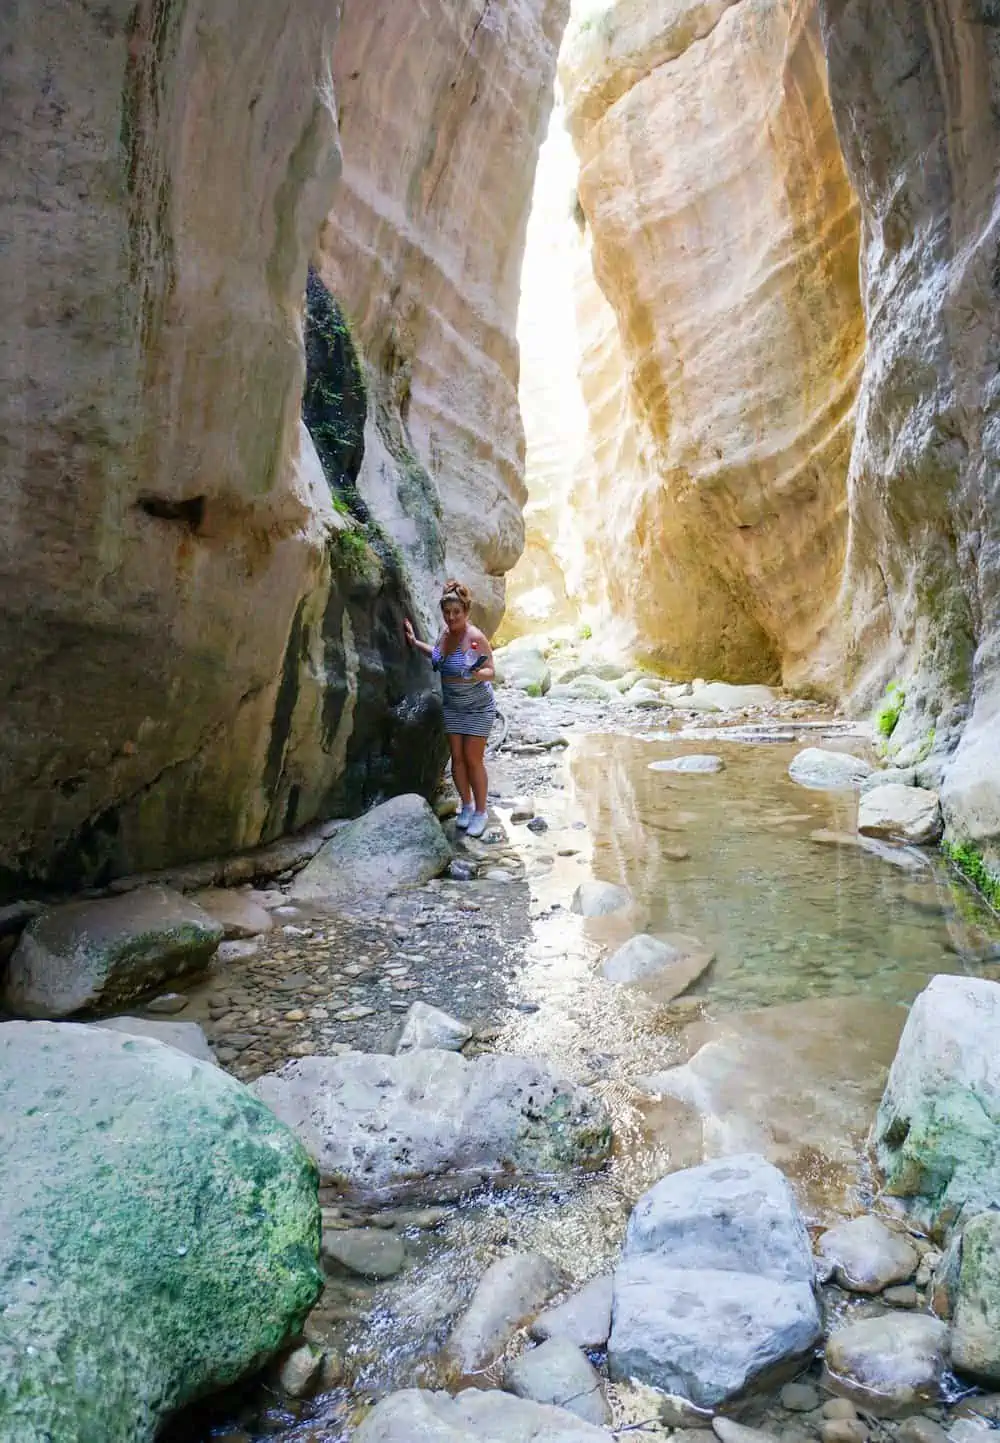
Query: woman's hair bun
[{"x": 457, "y": 591}]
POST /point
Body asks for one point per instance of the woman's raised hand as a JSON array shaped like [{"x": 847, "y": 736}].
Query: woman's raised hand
[{"x": 410, "y": 634}]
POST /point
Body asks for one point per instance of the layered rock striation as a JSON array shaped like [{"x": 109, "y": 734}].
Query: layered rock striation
[
  {"x": 442, "y": 109},
  {"x": 724, "y": 237},
  {"x": 201, "y": 641}
]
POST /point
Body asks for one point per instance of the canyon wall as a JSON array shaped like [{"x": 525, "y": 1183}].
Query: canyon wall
[
  {"x": 724, "y": 236},
  {"x": 442, "y": 108},
  {"x": 200, "y": 615},
  {"x": 916, "y": 91}
]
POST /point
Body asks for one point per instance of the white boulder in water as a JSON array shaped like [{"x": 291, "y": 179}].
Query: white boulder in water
[
  {"x": 598, "y": 899},
  {"x": 695, "y": 765},
  {"x": 828, "y": 771},
  {"x": 376, "y": 1123}
]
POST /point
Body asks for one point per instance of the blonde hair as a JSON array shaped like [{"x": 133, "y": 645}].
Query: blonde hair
[{"x": 456, "y": 591}]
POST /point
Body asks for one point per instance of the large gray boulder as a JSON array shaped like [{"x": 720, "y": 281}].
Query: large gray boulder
[
  {"x": 97, "y": 956},
  {"x": 714, "y": 1291},
  {"x": 937, "y": 1132},
  {"x": 397, "y": 844},
  {"x": 435, "y": 1121},
  {"x": 828, "y": 771},
  {"x": 900, "y": 813},
  {"x": 159, "y": 1233},
  {"x": 475, "y": 1416}
]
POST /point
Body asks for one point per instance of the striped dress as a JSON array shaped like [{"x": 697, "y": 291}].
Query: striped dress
[{"x": 469, "y": 707}]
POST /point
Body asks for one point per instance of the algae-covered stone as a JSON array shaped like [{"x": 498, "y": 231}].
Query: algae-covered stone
[
  {"x": 937, "y": 1133},
  {"x": 159, "y": 1233},
  {"x": 98, "y": 955},
  {"x": 433, "y": 1119},
  {"x": 975, "y": 1334}
]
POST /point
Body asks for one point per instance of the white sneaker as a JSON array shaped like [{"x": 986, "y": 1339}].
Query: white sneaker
[
  {"x": 477, "y": 824},
  {"x": 465, "y": 816}
]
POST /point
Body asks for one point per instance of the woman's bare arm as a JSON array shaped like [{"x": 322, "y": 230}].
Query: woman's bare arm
[
  {"x": 479, "y": 643},
  {"x": 414, "y": 640}
]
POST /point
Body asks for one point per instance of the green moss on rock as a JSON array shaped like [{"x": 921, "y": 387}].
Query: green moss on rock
[
  {"x": 159, "y": 1233},
  {"x": 973, "y": 866}
]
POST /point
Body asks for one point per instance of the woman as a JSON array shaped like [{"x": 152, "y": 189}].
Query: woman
[{"x": 463, "y": 657}]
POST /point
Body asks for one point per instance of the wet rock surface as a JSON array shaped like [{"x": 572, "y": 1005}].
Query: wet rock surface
[
  {"x": 705, "y": 1246},
  {"x": 375, "y": 1123},
  {"x": 937, "y": 1138},
  {"x": 866, "y": 1256},
  {"x": 889, "y": 1365},
  {"x": 473, "y": 1417}
]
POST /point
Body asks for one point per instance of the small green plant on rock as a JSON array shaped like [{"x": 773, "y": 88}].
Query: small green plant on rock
[
  {"x": 972, "y": 864},
  {"x": 891, "y": 709}
]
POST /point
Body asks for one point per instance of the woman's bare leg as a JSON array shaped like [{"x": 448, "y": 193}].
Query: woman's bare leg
[
  {"x": 459, "y": 772},
  {"x": 475, "y": 767}
]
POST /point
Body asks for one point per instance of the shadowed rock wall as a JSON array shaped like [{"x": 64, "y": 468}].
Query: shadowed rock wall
[
  {"x": 200, "y": 627},
  {"x": 916, "y": 92}
]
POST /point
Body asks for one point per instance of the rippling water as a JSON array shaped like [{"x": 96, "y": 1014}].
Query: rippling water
[{"x": 782, "y": 1046}]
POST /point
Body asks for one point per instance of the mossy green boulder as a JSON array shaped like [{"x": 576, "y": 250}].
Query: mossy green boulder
[
  {"x": 159, "y": 1233},
  {"x": 937, "y": 1133},
  {"x": 975, "y": 1335},
  {"x": 98, "y": 955}
]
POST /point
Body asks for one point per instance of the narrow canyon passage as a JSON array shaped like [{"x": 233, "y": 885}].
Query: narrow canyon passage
[{"x": 661, "y": 1099}]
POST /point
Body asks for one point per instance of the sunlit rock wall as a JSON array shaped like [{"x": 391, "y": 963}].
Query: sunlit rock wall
[
  {"x": 442, "y": 109},
  {"x": 916, "y": 90},
  {"x": 201, "y": 628},
  {"x": 725, "y": 239}
]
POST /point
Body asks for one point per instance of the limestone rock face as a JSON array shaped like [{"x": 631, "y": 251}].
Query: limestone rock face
[
  {"x": 915, "y": 92},
  {"x": 201, "y": 644},
  {"x": 442, "y": 108},
  {"x": 724, "y": 235}
]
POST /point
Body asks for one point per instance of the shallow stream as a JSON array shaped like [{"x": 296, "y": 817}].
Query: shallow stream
[{"x": 781, "y": 1046}]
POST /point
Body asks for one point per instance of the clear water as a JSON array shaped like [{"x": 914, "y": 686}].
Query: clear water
[{"x": 782, "y": 1045}]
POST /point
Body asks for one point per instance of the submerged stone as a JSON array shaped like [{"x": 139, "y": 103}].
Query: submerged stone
[
  {"x": 889, "y": 1365},
  {"x": 187, "y": 1037},
  {"x": 598, "y": 899},
  {"x": 474, "y": 1416},
  {"x": 826, "y": 770},
  {"x": 690, "y": 765},
  {"x": 583, "y": 1319},
  {"x": 159, "y": 1231},
  {"x": 508, "y": 1295}
]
